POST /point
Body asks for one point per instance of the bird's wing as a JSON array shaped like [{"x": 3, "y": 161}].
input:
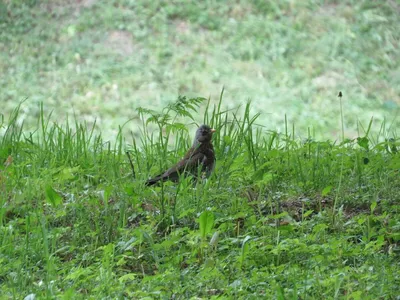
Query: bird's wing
[{"x": 189, "y": 163}]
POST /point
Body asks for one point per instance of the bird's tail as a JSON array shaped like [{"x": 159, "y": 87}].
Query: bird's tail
[{"x": 154, "y": 180}]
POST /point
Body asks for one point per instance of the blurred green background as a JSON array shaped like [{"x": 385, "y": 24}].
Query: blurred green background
[{"x": 102, "y": 59}]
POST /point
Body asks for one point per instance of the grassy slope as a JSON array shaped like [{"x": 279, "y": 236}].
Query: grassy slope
[
  {"x": 103, "y": 59},
  {"x": 293, "y": 219}
]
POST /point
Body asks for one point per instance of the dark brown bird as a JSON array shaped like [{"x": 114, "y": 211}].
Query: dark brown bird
[{"x": 199, "y": 158}]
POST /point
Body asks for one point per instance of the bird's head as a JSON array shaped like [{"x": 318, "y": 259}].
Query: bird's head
[{"x": 203, "y": 134}]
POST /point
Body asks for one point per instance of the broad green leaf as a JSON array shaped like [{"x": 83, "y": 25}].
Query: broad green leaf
[
  {"x": 307, "y": 213},
  {"x": 326, "y": 190},
  {"x": 206, "y": 222},
  {"x": 245, "y": 249},
  {"x": 127, "y": 277},
  {"x": 52, "y": 196},
  {"x": 363, "y": 142},
  {"x": 373, "y": 206},
  {"x": 320, "y": 227}
]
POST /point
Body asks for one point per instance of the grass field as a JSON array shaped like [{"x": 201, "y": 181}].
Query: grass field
[
  {"x": 101, "y": 60},
  {"x": 304, "y": 200},
  {"x": 280, "y": 218}
]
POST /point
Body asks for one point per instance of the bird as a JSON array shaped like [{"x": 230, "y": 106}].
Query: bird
[{"x": 199, "y": 158}]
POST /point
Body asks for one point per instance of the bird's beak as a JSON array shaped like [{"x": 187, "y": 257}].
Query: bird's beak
[{"x": 213, "y": 130}]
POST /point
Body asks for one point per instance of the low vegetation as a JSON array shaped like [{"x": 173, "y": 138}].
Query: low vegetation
[{"x": 280, "y": 218}]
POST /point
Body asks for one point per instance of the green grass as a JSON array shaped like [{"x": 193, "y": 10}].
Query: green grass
[
  {"x": 101, "y": 60},
  {"x": 280, "y": 218},
  {"x": 304, "y": 201}
]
